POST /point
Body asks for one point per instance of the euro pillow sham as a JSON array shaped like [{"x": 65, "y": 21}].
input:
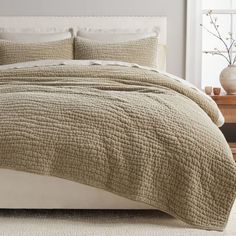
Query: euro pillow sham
[
  {"x": 15, "y": 52},
  {"x": 142, "y": 52}
]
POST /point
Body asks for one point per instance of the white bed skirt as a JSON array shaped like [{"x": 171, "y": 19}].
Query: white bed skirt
[{"x": 30, "y": 191}]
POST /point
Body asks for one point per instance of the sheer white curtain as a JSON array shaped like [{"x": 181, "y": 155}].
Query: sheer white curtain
[{"x": 193, "y": 42}]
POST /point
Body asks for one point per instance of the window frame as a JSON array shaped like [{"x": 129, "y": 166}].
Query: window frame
[
  {"x": 193, "y": 65},
  {"x": 194, "y": 50},
  {"x": 229, "y": 12}
]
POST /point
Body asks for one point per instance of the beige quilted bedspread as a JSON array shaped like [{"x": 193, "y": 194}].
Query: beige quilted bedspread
[{"x": 132, "y": 132}]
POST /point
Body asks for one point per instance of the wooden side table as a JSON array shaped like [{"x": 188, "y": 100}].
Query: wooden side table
[
  {"x": 233, "y": 148},
  {"x": 227, "y": 105}
]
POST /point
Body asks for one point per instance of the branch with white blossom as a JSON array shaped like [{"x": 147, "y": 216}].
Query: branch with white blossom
[{"x": 217, "y": 34}]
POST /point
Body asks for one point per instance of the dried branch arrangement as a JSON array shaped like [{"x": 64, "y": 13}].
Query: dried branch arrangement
[{"x": 229, "y": 42}]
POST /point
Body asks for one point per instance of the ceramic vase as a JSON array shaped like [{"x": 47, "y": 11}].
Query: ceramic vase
[{"x": 228, "y": 79}]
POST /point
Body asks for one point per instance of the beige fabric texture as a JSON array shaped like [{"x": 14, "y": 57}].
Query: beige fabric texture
[
  {"x": 14, "y": 52},
  {"x": 142, "y": 51},
  {"x": 133, "y": 132}
]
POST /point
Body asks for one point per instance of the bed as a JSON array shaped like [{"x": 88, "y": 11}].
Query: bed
[{"x": 109, "y": 134}]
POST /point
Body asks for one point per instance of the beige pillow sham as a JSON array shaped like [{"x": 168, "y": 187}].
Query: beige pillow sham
[
  {"x": 13, "y": 52},
  {"x": 142, "y": 51}
]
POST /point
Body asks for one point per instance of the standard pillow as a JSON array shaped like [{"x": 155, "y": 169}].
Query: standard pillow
[
  {"x": 12, "y": 52},
  {"x": 142, "y": 52},
  {"x": 34, "y": 37}
]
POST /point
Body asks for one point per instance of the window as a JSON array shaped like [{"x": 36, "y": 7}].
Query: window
[
  {"x": 225, "y": 11},
  {"x": 204, "y": 69}
]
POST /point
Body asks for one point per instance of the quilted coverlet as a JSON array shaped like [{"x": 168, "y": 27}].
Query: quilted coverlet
[{"x": 130, "y": 131}]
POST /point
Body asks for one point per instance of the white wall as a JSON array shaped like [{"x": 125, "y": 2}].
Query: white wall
[{"x": 173, "y": 9}]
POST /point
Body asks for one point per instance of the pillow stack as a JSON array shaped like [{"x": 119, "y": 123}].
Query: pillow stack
[
  {"x": 133, "y": 47},
  {"x": 18, "y": 47}
]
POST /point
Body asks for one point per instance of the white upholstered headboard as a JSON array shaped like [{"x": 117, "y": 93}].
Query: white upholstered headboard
[{"x": 42, "y": 23}]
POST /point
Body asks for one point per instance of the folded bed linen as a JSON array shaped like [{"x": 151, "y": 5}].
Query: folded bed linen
[{"x": 133, "y": 131}]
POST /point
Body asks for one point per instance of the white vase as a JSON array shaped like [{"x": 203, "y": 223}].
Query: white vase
[{"x": 228, "y": 79}]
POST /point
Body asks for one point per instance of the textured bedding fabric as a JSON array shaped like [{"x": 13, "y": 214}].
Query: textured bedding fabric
[
  {"x": 131, "y": 131},
  {"x": 15, "y": 52},
  {"x": 142, "y": 51}
]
